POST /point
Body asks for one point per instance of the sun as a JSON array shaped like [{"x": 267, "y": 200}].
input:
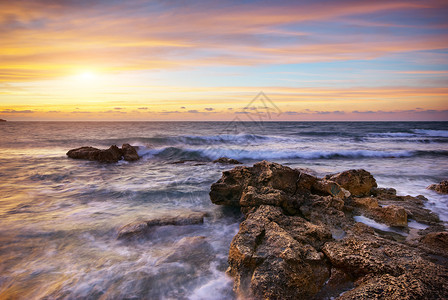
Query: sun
[{"x": 87, "y": 75}]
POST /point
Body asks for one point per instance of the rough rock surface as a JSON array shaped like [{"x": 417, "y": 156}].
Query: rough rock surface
[
  {"x": 441, "y": 187},
  {"x": 357, "y": 182},
  {"x": 139, "y": 229},
  {"x": 227, "y": 161},
  {"x": 111, "y": 155},
  {"x": 299, "y": 239},
  {"x": 129, "y": 153}
]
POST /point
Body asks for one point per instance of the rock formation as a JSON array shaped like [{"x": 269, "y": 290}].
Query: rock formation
[
  {"x": 299, "y": 239},
  {"x": 441, "y": 188},
  {"x": 111, "y": 155}
]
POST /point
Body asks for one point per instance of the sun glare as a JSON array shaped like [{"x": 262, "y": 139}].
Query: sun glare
[{"x": 87, "y": 75}]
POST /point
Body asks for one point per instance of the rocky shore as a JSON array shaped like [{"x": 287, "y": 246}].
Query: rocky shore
[{"x": 305, "y": 237}]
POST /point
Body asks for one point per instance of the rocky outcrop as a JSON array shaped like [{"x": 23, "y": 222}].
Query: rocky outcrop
[
  {"x": 226, "y": 161},
  {"x": 2, "y": 120},
  {"x": 441, "y": 188},
  {"x": 299, "y": 239},
  {"x": 141, "y": 228},
  {"x": 111, "y": 155}
]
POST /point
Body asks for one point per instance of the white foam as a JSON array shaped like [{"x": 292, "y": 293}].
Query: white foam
[{"x": 438, "y": 133}]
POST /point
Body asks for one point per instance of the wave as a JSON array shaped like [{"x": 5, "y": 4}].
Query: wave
[
  {"x": 428, "y": 132},
  {"x": 393, "y": 134},
  {"x": 175, "y": 154}
]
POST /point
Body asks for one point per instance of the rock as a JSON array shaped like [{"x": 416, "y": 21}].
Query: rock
[
  {"x": 366, "y": 202},
  {"x": 227, "y": 161},
  {"x": 437, "y": 241},
  {"x": 275, "y": 256},
  {"x": 129, "y": 153},
  {"x": 111, "y": 155},
  {"x": 299, "y": 239},
  {"x": 357, "y": 182},
  {"x": 391, "y": 215},
  {"x": 195, "y": 250},
  {"x": 139, "y": 229},
  {"x": 2, "y": 120},
  {"x": 441, "y": 188}
]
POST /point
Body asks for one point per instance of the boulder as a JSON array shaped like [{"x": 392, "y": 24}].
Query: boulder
[
  {"x": 129, "y": 153},
  {"x": 227, "y": 161},
  {"x": 111, "y": 155},
  {"x": 141, "y": 228},
  {"x": 357, "y": 182},
  {"x": 391, "y": 215},
  {"x": 441, "y": 188},
  {"x": 436, "y": 241}
]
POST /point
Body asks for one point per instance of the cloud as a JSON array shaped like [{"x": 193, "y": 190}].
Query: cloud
[
  {"x": 13, "y": 111},
  {"x": 143, "y": 108},
  {"x": 183, "y": 107},
  {"x": 37, "y": 37},
  {"x": 209, "y": 108},
  {"x": 118, "y": 108},
  {"x": 193, "y": 111}
]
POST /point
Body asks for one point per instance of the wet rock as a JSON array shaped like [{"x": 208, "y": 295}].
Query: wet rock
[
  {"x": 441, "y": 188},
  {"x": 299, "y": 239},
  {"x": 129, "y": 153},
  {"x": 391, "y": 215},
  {"x": 2, "y": 120},
  {"x": 111, "y": 155},
  {"x": 275, "y": 256},
  {"x": 139, "y": 229},
  {"x": 195, "y": 250},
  {"x": 227, "y": 161},
  {"x": 357, "y": 182}
]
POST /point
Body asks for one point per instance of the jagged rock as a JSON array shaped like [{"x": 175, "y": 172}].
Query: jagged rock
[
  {"x": 357, "y": 182},
  {"x": 299, "y": 239},
  {"x": 139, "y": 229},
  {"x": 441, "y": 188},
  {"x": 391, "y": 215},
  {"x": 227, "y": 161},
  {"x": 129, "y": 153},
  {"x": 275, "y": 256},
  {"x": 111, "y": 155}
]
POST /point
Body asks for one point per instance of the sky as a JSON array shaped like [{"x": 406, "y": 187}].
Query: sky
[{"x": 219, "y": 60}]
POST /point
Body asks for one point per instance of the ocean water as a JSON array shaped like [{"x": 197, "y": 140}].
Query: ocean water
[{"x": 59, "y": 217}]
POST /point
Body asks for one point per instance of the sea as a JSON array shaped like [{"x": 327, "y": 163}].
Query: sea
[{"x": 59, "y": 217}]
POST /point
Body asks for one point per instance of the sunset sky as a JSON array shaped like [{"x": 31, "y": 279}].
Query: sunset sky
[{"x": 206, "y": 60}]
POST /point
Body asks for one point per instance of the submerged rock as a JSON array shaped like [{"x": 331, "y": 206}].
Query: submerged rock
[
  {"x": 299, "y": 239},
  {"x": 111, "y": 155},
  {"x": 227, "y": 161},
  {"x": 441, "y": 187},
  {"x": 139, "y": 229}
]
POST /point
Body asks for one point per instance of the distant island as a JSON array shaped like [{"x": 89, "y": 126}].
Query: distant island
[{"x": 1, "y": 120}]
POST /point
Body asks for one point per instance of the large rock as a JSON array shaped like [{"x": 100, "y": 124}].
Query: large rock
[
  {"x": 111, "y": 155},
  {"x": 275, "y": 256},
  {"x": 357, "y": 182},
  {"x": 441, "y": 188},
  {"x": 299, "y": 239}
]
